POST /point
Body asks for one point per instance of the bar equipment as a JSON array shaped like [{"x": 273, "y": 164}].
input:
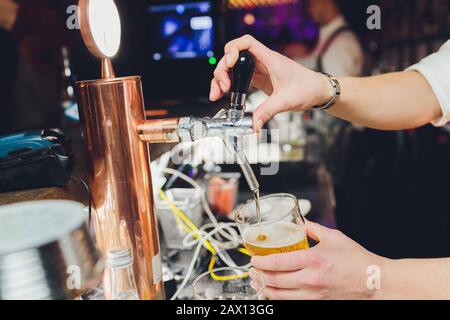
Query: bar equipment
[
  {"x": 116, "y": 134},
  {"x": 228, "y": 284},
  {"x": 222, "y": 191},
  {"x": 230, "y": 124},
  {"x": 46, "y": 251},
  {"x": 123, "y": 283},
  {"x": 189, "y": 201},
  {"x": 35, "y": 159},
  {"x": 230, "y": 121},
  {"x": 111, "y": 113}
]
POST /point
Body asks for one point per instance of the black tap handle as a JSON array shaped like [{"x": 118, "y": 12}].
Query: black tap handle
[{"x": 242, "y": 73}]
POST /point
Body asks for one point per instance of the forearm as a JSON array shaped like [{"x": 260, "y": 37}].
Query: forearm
[
  {"x": 394, "y": 101},
  {"x": 415, "y": 279}
]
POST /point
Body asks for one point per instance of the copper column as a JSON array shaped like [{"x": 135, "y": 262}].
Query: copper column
[{"x": 114, "y": 130}]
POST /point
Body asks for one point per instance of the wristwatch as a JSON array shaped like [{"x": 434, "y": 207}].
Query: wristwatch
[{"x": 336, "y": 93}]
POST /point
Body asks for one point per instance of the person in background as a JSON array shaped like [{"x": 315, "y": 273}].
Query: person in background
[
  {"x": 338, "y": 51},
  {"x": 33, "y": 62},
  {"x": 337, "y": 267},
  {"x": 9, "y": 55}
]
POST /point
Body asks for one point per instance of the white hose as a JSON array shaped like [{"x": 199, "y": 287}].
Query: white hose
[
  {"x": 225, "y": 230},
  {"x": 202, "y": 236},
  {"x": 197, "y": 186}
]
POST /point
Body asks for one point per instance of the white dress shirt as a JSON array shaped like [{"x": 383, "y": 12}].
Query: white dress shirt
[{"x": 436, "y": 69}]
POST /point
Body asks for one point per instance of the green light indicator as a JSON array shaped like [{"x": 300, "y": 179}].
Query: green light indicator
[{"x": 212, "y": 60}]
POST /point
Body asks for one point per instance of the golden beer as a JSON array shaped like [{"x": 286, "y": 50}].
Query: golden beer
[{"x": 278, "y": 237}]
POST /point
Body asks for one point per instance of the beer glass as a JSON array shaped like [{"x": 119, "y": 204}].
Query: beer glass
[
  {"x": 228, "y": 284},
  {"x": 281, "y": 227}
]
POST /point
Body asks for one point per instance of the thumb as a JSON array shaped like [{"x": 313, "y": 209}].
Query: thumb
[
  {"x": 316, "y": 231},
  {"x": 267, "y": 111}
]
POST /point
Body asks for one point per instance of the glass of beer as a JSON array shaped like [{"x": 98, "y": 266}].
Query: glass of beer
[{"x": 278, "y": 228}]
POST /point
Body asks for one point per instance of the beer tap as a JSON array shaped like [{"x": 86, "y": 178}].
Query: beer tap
[{"x": 230, "y": 122}]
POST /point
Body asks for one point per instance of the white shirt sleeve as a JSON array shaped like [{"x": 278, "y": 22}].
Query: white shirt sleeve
[{"x": 436, "y": 69}]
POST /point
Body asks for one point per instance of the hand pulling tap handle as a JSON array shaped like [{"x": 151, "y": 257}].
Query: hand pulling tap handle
[
  {"x": 241, "y": 77},
  {"x": 230, "y": 121}
]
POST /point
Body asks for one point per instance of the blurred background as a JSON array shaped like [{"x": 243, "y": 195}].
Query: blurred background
[{"x": 391, "y": 189}]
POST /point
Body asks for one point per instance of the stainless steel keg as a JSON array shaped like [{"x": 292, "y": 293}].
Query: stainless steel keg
[{"x": 46, "y": 251}]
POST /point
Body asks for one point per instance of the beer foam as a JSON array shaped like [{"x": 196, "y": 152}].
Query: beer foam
[{"x": 278, "y": 235}]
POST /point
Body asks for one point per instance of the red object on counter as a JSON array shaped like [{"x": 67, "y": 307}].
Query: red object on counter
[{"x": 222, "y": 194}]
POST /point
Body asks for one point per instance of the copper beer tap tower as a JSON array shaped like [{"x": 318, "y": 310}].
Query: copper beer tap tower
[{"x": 116, "y": 136}]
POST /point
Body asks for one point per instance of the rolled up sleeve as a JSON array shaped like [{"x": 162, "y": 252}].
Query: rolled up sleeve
[{"x": 436, "y": 69}]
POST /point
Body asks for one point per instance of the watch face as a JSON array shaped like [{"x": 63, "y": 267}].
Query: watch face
[
  {"x": 337, "y": 91},
  {"x": 337, "y": 86}
]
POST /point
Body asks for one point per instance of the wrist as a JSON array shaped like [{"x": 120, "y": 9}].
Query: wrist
[
  {"x": 325, "y": 90},
  {"x": 330, "y": 91},
  {"x": 387, "y": 271}
]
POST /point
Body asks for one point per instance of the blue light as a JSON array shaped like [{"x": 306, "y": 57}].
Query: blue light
[
  {"x": 180, "y": 9},
  {"x": 170, "y": 26}
]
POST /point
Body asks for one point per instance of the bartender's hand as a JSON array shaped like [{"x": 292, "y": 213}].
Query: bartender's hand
[
  {"x": 289, "y": 85},
  {"x": 8, "y": 14},
  {"x": 337, "y": 268}
]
